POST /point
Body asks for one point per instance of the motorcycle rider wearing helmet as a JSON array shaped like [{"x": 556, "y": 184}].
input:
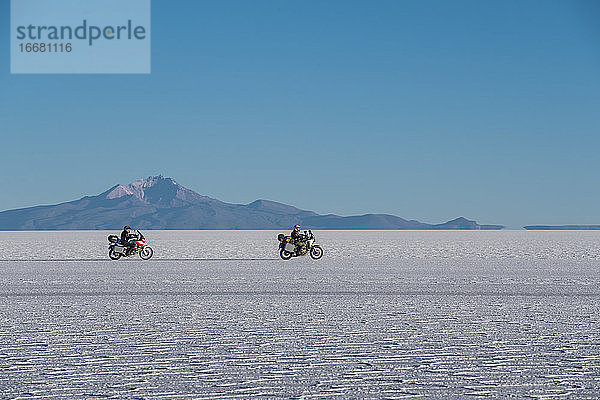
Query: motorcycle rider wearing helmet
[
  {"x": 299, "y": 239},
  {"x": 127, "y": 237}
]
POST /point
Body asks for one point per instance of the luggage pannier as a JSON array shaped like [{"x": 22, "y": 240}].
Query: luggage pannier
[{"x": 290, "y": 247}]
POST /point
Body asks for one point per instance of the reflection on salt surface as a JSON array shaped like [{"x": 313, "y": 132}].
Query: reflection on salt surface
[{"x": 445, "y": 314}]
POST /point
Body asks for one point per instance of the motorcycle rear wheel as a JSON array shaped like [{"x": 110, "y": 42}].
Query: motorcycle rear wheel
[
  {"x": 316, "y": 252},
  {"x": 146, "y": 253},
  {"x": 114, "y": 255},
  {"x": 286, "y": 255}
]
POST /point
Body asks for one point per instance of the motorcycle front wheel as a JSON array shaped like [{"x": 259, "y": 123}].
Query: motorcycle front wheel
[
  {"x": 114, "y": 255},
  {"x": 286, "y": 255},
  {"x": 146, "y": 253},
  {"x": 316, "y": 252}
]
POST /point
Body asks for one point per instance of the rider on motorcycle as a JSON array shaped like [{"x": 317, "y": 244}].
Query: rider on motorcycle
[
  {"x": 127, "y": 237},
  {"x": 299, "y": 239}
]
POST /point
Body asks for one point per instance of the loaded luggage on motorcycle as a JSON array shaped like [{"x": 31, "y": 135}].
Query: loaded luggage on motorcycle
[
  {"x": 115, "y": 248},
  {"x": 290, "y": 247}
]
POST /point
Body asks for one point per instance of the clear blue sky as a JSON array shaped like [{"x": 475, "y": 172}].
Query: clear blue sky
[{"x": 423, "y": 109}]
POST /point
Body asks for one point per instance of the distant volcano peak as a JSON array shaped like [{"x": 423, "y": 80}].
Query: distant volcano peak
[
  {"x": 151, "y": 181},
  {"x": 158, "y": 185},
  {"x": 141, "y": 188}
]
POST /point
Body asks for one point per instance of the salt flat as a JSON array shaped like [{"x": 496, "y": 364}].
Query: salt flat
[{"x": 384, "y": 314}]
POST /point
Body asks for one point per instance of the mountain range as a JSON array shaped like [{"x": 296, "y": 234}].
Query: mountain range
[{"x": 158, "y": 202}]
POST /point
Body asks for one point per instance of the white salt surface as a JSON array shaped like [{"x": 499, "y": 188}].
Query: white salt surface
[{"x": 216, "y": 314}]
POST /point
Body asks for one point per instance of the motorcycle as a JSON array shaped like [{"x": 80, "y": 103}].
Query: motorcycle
[
  {"x": 288, "y": 249},
  {"x": 116, "y": 249}
]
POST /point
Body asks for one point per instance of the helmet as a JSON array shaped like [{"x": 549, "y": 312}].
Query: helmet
[
  {"x": 297, "y": 227},
  {"x": 126, "y": 228}
]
